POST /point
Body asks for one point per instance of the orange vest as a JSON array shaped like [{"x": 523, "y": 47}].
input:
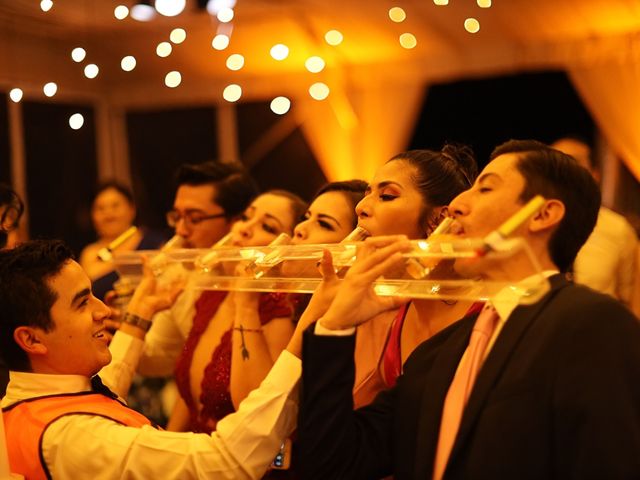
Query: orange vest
[{"x": 25, "y": 423}]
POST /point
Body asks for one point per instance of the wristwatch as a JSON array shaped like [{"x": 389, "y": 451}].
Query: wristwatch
[{"x": 137, "y": 321}]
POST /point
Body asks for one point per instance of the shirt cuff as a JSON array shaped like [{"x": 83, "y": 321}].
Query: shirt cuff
[
  {"x": 126, "y": 348},
  {"x": 323, "y": 331},
  {"x": 286, "y": 371}
]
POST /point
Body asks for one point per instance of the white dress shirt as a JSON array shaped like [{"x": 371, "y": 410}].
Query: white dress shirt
[
  {"x": 242, "y": 447},
  {"x": 606, "y": 262}
]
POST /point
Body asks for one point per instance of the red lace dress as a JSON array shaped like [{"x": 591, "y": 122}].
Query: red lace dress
[{"x": 215, "y": 397}]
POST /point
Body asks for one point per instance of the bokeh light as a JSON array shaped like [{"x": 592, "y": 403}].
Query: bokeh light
[
  {"x": 225, "y": 15},
  {"x": 220, "y": 41},
  {"x": 170, "y": 8},
  {"x": 15, "y": 94},
  {"x": 173, "y": 79},
  {"x": 235, "y": 62},
  {"x": 91, "y": 70},
  {"x": 178, "y": 35},
  {"x": 50, "y": 89},
  {"x": 78, "y": 54},
  {"x": 397, "y": 14},
  {"x": 333, "y": 37},
  {"x": 128, "y": 63},
  {"x": 164, "y": 49},
  {"x": 279, "y": 51},
  {"x": 314, "y": 64},
  {"x": 76, "y": 121},
  {"x": 121, "y": 12},
  {"x": 232, "y": 93},
  {"x": 46, "y": 5},
  {"x": 280, "y": 105},
  {"x": 319, "y": 91},
  {"x": 472, "y": 25},
  {"x": 408, "y": 40}
]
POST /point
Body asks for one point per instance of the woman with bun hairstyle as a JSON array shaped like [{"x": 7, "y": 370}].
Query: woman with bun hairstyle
[{"x": 408, "y": 195}]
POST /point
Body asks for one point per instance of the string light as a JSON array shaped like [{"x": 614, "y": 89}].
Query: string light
[
  {"x": 170, "y": 8},
  {"x": 91, "y": 70},
  {"x": 128, "y": 63},
  {"x": 232, "y": 93},
  {"x": 164, "y": 49},
  {"x": 235, "y": 62},
  {"x": 50, "y": 89},
  {"x": 441, "y": 2},
  {"x": 142, "y": 12},
  {"x": 333, "y": 37},
  {"x": 472, "y": 25},
  {"x": 484, "y": 3},
  {"x": 214, "y": 6},
  {"x": 78, "y": 54},
  {"x": 178, "y": 35},
  {"x": 76, "y": 121},
  {"x": 319, "y": 91},
  {"x": 408, "y": 40},
  {"x": 225, "y": 15},
  {"x": 314, "y": 64},
  {"x": 15, "y": 94},
  {"x": 397, "y": 14},
  {"x": 280, "y": 105},
  {"x": 279, "y": 51},
  {"x": 220, "y": 41},
  {"x": 121, "y": 12},
  {"x": 173, "y": 79},
  {"x": 46, "y": 5}
]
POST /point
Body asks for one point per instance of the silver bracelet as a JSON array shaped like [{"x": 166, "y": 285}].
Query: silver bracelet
[{"x": 136, "y": 321}]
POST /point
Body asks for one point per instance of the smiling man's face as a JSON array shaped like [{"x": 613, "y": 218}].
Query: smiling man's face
[{"x": 77, "y": 344}]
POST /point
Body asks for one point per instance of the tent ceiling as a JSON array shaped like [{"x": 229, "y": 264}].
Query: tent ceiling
[{"x": 514, "y": 34}]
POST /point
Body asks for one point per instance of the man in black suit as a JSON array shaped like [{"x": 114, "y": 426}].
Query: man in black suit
[{"x": 558, "y": 392}]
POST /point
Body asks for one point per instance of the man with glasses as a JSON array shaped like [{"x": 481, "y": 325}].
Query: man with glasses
[{"x": 209, "y": 198}]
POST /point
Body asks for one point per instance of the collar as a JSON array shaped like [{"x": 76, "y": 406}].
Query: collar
[
  {"x": 23, "y": 385},
  {"x": 507, "y": 299}
]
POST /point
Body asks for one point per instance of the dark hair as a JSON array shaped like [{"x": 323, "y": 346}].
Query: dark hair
[
  {"x": 234, "y": 188},
  {"x": 121, "y": 188},
  {"x": 297, "y": 204},
  {"x": 553, "y": 174},
  {"x": 11, "y": 210},
  {"x": 440, "y": 176},
  {"x": 352, "y": 189},
  {"x": 25, "y": 296}
]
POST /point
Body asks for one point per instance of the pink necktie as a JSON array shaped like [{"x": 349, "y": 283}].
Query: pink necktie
[{"x": 461, "y": 386}]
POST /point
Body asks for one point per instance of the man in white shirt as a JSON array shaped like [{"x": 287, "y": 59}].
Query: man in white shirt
[
  {"x": 607, "y": 260},
  {"x": 557, "y": 390},
  {"x": 52, "y": 337}
]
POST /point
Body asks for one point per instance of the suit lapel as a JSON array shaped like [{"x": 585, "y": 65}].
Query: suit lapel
[
  {"x": 515, "y": 327},
  {"x": 437, "y": 382}
]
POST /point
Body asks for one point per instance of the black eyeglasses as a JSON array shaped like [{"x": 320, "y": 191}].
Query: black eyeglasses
[{"x": 190, "y": 217}]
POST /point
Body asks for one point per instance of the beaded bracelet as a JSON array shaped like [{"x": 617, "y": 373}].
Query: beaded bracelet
[
  {"x": 243, "y": 346},
  {"x": 243, "y": 329}
]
